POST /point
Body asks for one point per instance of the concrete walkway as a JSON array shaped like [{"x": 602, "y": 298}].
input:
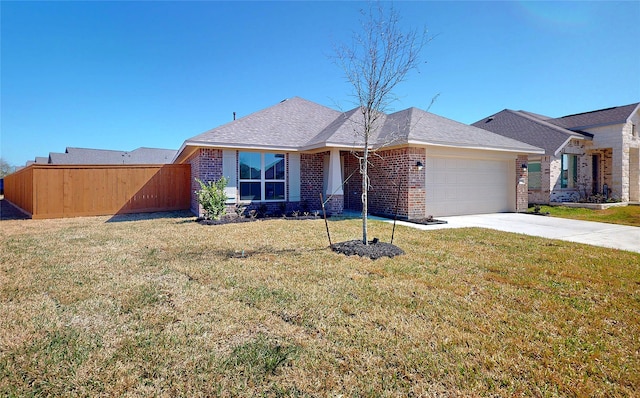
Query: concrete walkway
[{"x": 592, "y": 233}]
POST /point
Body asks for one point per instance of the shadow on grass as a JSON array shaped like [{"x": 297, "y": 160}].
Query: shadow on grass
[
  {"x": 10, "y": 212},
  {"x": 182, "y": 216}
]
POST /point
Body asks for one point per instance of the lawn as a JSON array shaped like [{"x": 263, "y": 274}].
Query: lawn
[
  {"x": 168, "y": 307},
  {"x": 625, "y": 215}
]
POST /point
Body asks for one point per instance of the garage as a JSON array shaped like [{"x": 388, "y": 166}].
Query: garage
[{"x": 464, "y": 185}]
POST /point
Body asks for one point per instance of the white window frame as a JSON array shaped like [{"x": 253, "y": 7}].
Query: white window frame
[{"x": 262, "y": 180}]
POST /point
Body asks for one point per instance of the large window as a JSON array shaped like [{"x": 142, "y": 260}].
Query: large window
[
  {"x": 535, "y": 175},
  {"x": 569, "y": 177},
  {"x": 262, "y": 176}
]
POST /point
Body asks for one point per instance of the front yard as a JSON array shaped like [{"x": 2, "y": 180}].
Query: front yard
[
  {"x": 626, "y": 215},
  {"x": 168, "y": 307}
]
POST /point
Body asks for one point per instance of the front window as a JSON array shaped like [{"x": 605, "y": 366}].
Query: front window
[
  {"x": 569, "y": 177},
  {"x": 535, "y": 176},
  {"x": 262, "y": 176}
]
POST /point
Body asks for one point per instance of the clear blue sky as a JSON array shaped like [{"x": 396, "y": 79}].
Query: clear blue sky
[{"x": 121, "y": 75}]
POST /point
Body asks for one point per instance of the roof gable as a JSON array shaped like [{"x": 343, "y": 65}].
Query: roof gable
[
  {"x": 601, "y": 117},
  {"x": 525, "y": 127},
  {"x": 288, "y": 124}
]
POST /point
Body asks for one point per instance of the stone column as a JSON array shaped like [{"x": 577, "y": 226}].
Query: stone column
[{"x": 522, "y": 183}]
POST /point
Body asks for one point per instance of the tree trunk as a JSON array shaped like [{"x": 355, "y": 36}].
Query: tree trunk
[{"x": 365, "y": 192}]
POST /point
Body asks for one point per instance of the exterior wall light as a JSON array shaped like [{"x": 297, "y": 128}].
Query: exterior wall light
[
  {"x": 419, "y": 165},
  {"x": 524, "y": 166}
]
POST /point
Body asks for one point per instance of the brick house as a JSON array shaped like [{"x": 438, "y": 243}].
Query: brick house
[
  {"x": 290, "y": 153},
  {"x": 586, "y": 154}
]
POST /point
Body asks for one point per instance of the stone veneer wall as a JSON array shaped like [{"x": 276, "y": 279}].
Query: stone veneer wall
[{"x": 559, "y": 194}]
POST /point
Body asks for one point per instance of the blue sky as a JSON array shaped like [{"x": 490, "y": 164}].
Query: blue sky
[{"x": 121, "y": 75}]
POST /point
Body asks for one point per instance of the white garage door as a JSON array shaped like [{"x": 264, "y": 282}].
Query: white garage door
[{"x": 457, "y": 186}]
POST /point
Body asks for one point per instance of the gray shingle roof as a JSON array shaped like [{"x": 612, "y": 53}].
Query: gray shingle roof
[
  {"x": 526, "y": 127},
  {"x": 601, "y": 117},
  {"x": 433, "y": 129},
  {"x": 299, "y": 125},
  {"x": 103, "y": 156},
  {"x": 288, "y": 124},
  {"x": 549, "y": 133}
]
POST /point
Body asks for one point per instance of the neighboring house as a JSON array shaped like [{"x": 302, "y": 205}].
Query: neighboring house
[
  {"x": 296, "y": 150},
  {"x": 586, "y": 154},
  {"x": 102, "y": 156}
]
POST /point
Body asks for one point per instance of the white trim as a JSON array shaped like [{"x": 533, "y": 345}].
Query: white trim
[
  {"x": 229, "y": 170},
  {"x": 294, "y": 177},
  {"x": 480, "y": 148}
]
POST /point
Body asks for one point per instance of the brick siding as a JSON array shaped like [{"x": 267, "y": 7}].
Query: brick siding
[
  {"x": 388, "y": 171},
  {"x": 522, "y": 190},
  {"x": 206, "y": 165},
  {"x": 311, "y": 180}
]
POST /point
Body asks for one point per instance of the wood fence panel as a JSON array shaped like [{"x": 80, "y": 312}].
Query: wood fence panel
[
  {"x": 47, "y": 195},
  {"x": 18, "y": 189},
  {"x": 91, "y": 190}
]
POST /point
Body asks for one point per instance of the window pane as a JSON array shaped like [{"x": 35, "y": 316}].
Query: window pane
[
  {"x": 534, "y": 166},
  {"x": 274, "y": 166},
  {"x": 569, "y": 173},
  {"x": 250, "y": 191},
  {"x": 535, "y": 180},
  {"x": 274, "y": 190},
  {"x": 250, "y": 166}
]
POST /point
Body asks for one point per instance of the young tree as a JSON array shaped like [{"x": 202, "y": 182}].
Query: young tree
[{"x": 379, "y": 58}]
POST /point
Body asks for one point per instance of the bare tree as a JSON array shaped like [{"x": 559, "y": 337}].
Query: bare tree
[
  {"x": 5, "y": 168},
  {"x": 379, "y": 58}
]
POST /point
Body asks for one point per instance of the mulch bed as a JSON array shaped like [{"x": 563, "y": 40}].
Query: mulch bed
[
  {"x": 426, "y": 221},
  {"x": 374, "y": 250},
  {"x": 232, "y": 219}
]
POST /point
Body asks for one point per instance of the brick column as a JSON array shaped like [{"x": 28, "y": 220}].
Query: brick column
[{"x": 522, "y": 184}]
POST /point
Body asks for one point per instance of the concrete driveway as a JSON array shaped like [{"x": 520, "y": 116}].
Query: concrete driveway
[{"x": 592, "y": 233}]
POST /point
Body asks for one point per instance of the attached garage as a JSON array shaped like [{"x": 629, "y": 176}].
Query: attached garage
[{"x": 469, "y": 184}]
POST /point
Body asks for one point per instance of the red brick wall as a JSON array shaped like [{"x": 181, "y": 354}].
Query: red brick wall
[
  {"x": 387, "y": 171},
  {"x": 206, "y": 165},
  {"x": 311, "y": 180}
]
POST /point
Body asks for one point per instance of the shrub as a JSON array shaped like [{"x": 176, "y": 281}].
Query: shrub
[{"x": 212, "y": 198}]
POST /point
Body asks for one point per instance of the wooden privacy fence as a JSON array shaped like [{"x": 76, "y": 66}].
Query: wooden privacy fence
[{"x": 55, "y": 191}]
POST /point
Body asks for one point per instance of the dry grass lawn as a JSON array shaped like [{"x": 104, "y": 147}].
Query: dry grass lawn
[
  {"x": 168, "y": 307},
  {"x": 625, "y": 215}
]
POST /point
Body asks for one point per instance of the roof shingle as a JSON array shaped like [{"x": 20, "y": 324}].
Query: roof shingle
[{"x": 299, "y": 125}]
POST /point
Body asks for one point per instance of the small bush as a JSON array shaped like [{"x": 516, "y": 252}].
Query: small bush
[{"x": 212, "y": 198}]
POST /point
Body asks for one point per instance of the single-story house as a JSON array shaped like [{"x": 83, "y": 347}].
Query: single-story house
[
  {"x": 291, "y": 153},
  {"x": 587, "y": 156}
]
